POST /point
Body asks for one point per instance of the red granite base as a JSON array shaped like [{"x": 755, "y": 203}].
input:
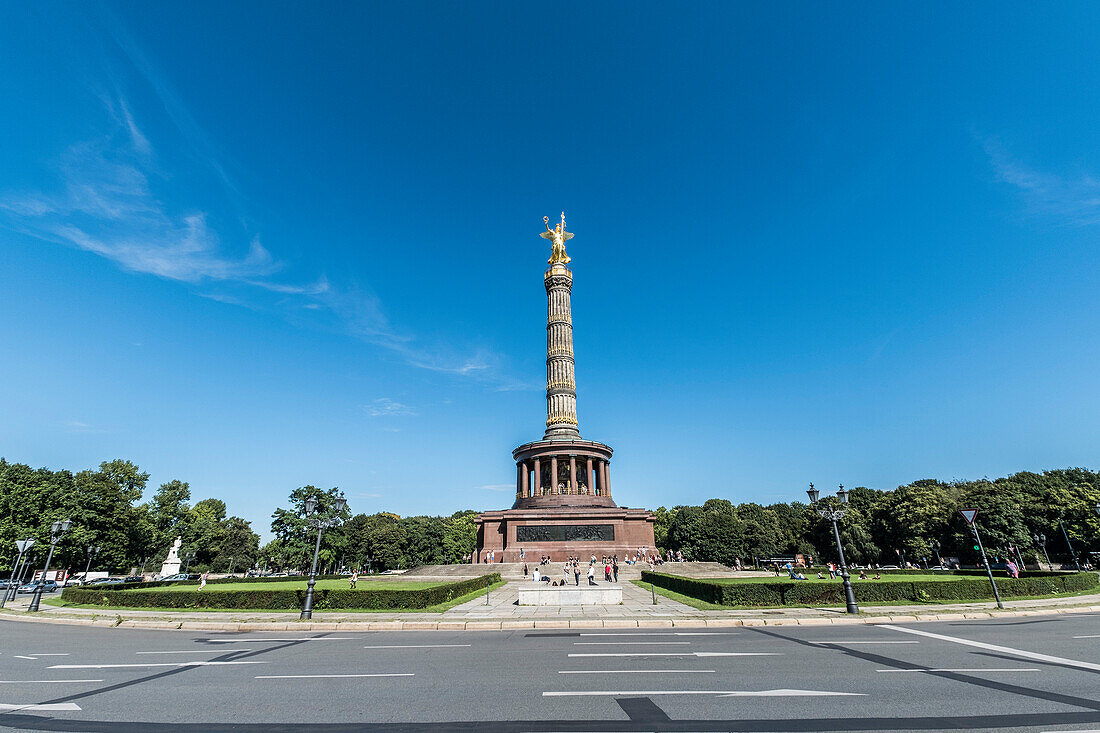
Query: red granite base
[{"x": 497, "y": 533}]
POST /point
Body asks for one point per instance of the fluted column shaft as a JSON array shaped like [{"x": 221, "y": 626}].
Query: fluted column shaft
[{"x": 561, "y": 385}]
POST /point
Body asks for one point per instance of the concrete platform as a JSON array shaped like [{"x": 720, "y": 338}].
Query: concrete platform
[{"x": 537, "y": 594}]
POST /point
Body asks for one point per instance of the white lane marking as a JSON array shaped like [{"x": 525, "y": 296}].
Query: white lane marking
[
  {"x": 330, "y": 676},
  {"x": 722, "y": 693},
  {"x": 198, "y": 651},
  {"x": 308, "y": 638},
  {"x": 863, "y": 642},
  {"x": 414, "y": 646},
  {"x": 995, "y": 648},
  {"x": 48, "y": 707},
  {"x": 42, "y": 682},
  {"x": 50, "y": 654},
  {"x": 636, "y": 671},
  {"x": 974, "y": 669},
  {"x": 20, "y": 656},
  {"x": 680, "y": 654},
  {"x": 662, "y": 633},
  {"x": 627, "y": 643},
  {"x": 1088, "y": 636},
  {"x": 151, "y": 664}
]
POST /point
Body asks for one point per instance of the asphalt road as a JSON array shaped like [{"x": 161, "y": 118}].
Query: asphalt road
[{"x": 1034, "y": 674}]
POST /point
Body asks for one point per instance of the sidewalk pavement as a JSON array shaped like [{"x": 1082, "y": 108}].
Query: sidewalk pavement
[{"x": 502, "y": 612}]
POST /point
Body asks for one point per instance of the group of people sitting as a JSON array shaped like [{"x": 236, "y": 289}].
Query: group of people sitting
[{"x": 571, "y": 570}]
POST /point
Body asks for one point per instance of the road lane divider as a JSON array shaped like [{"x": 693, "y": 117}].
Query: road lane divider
[
  {"x": 678, "y": 654},
  {"x": 974, "y": 669},
  {"x": 43, "y": 682},
  {"x": 51, "y": 707},
  {"x": 719, "y": 693},
  {"x": 152, "y": 664},
  {"x": 198, "y": 651},
  {"x": 636, "y": 671},
  {"x": 415, "y": 646},
  {"x": 843, "y": 643},
  {"x": 627, "y": 643},
  {"x": 996, "y": 648},
  {"x": 329, "y": 676}
]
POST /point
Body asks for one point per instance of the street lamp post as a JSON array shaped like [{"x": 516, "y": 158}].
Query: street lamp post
[
  {"x": 319, "y": 524},
  {"x": 370, "y": 559},
  {"x": 16, "y": 571},
  {"x": 1041, "y": 541},
  {"x": 230, "y": 566},
  {"x": 1072, "y": 552},
  {"x": 936, "y": 548},
  {"x": 187, "y": 557},
  {"x": 57, "y": 531},
  {"x": 92, "y": 550},
  {"x": 834, "y": 515}
]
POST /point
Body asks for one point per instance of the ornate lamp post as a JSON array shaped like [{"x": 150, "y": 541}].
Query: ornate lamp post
[
  {"x": 1072, "y": 552},
  {"x": 834, "y": 515},
  {"x": 16, "y": 571},
  {"x": 187, "y": 558},
  {"x": 936, "y": 549},
  {"x": 57, "y": 531},
  {"x": 1041, "y": 541},
  {"x": 92, "y": 551},
  {"x": 319, "y": 524}
]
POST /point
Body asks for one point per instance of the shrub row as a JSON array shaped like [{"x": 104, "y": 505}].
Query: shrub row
[
  {"x": 382, "y": 598},
  {"x": 802, "y": 593},
  {"x": 268, "y": 579}
]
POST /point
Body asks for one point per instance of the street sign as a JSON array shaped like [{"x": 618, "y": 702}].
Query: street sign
[
  {"x": 969, "y": 514},
  {"x": 22, "y": 545}
]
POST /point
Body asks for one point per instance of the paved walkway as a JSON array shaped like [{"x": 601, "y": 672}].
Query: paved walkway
[{"x": 502, "y": 612}]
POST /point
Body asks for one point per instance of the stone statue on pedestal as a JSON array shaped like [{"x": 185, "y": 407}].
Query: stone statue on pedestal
[{"x": 171, "y": 564}]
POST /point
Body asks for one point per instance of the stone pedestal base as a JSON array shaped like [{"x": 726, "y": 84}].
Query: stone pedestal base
[
  {"x": 169, "y": 568},
  {"x": 538, "y": 594},
  {"x": 563, "y": 532}
]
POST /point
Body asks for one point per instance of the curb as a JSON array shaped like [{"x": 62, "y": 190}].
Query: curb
[{"x": 118, "y": 621}]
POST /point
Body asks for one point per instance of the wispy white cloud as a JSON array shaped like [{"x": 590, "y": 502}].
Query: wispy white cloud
[
  {"x": 106, "y": 202},
  {"x": 385, "y": 407},
  {"x": 1075, "y": 200},
  {"x": 497, "y": 487}
]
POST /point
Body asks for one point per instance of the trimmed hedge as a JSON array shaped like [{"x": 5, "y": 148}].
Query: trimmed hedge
[
  {"x": 289, "y": 600},
  {"x": 268, "y": 579},
  {"x": 804, "y": 593}
]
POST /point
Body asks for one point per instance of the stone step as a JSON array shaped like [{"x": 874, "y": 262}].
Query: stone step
[{"x": 514, "y": 570}]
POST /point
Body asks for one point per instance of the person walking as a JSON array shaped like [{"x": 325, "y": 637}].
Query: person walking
[
  {"x": 591, "y": 573},
  {"x": 577, "y": 572},
  {"x": 615, "y": 568},
  {"x": 354, "y": 578},
  {"x": 202, "y": 580}
]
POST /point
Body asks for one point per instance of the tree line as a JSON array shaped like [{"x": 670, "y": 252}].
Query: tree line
[
  {"x": 106, "y": 509},
  {"x": 910, "y": 521},
  {"x": 107, "y": 513}
]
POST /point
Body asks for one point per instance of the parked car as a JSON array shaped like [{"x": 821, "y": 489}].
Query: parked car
[
  {"x": 177, "y": 576},
  {"x": 106, "y": 581},
  {"x": 50, "y": 586},
  {"x": 133, "y": 579}
]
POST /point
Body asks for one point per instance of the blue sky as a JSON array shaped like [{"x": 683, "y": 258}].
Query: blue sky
[{"x": 262, "y": 245}]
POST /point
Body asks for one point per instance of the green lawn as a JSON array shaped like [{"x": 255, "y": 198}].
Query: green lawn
[{"x": 297, "y": 583}]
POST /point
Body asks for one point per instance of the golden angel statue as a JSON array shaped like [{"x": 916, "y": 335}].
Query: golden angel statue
[{"x": 558, "y": 236}]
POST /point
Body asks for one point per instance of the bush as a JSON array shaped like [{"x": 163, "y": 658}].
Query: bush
[
  {"x": 803, "y": 593},
  {"x": 289, "y": 600}
]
